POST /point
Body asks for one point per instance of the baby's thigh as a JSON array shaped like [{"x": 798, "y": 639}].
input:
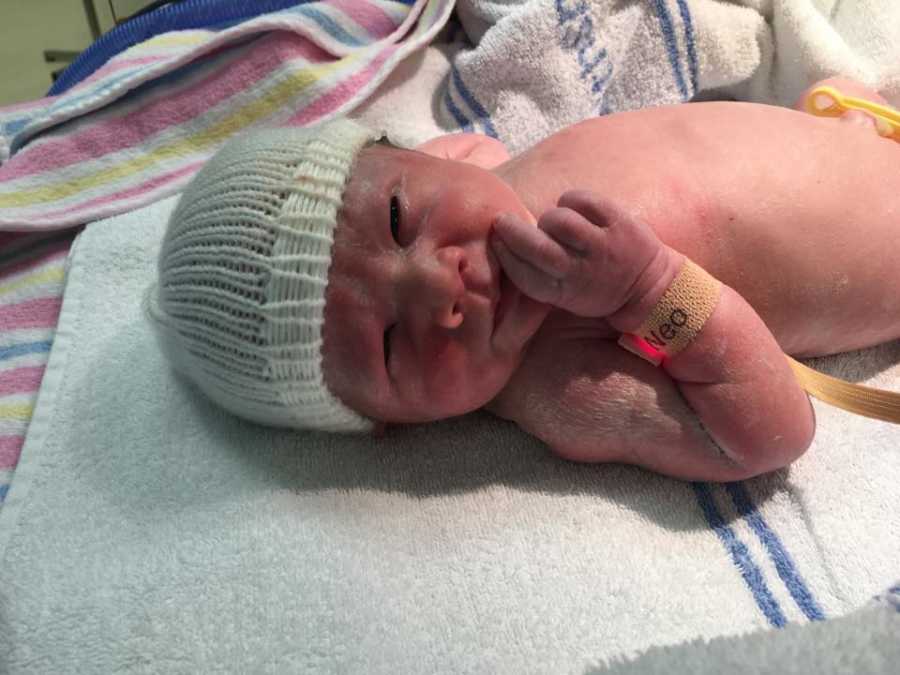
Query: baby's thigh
[{"x": 591, "y": 401}]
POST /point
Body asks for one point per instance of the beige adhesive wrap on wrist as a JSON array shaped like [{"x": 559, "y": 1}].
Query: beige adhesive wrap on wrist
[{"x": 680, "y": 314}]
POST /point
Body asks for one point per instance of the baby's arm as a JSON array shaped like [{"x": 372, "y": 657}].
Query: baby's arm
[{"x": 592, "y": 259}]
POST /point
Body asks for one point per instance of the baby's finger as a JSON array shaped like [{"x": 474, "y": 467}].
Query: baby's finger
[
  {"x": 529, "y": 279},
  {"x": 532, "y": 245},
  {"x": 598, "y": 210},
  {"x": 568, "y": 227}
]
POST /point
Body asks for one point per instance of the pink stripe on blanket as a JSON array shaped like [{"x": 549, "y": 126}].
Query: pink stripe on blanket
[
  {"x": 21, "y": 380},
  {"x": 372, "y": 18},
  {"x": 122, "y": 195},
  {"x": 166, "y": 110},
  {"x": 38, "y": 313},
  {"x": 10, "y": 450},
  {"x": 342, "y": 91}
]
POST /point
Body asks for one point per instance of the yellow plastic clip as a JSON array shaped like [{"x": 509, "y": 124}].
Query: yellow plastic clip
[{"x": 827, "y": 101}]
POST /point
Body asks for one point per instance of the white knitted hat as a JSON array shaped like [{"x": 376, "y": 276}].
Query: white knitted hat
[{"x": 243, "y": 268}]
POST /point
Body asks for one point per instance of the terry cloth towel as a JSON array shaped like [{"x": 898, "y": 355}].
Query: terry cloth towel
[
  {"x": 862, "y": 643},
  {"x": 540, "y": 65},
  {"x": 149, "y": 530}
]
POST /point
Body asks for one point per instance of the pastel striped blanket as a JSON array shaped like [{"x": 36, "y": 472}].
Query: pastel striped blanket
[{"x": 138, "y": 128}]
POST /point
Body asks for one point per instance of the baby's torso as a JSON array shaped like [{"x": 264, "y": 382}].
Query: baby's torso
[{"x": 759, "y": 196}]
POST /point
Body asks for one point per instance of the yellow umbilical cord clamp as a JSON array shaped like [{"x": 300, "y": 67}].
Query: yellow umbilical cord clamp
[
  {"x": 677, "y": 317},
  {"x": 826, "y": 101}
]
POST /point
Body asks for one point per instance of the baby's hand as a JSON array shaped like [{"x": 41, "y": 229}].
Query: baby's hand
[{"x": 586, "y": 256}]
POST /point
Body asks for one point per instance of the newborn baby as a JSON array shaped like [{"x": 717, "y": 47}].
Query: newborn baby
[{"x": 323, "y": 279}]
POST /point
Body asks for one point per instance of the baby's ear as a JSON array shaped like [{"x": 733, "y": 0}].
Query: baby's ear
[{"x": 476, "y": 149}]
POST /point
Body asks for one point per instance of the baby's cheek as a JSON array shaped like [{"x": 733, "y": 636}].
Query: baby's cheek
[{"x": 457, "y": 382}]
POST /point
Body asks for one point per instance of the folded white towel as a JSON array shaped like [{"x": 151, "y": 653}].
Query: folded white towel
[
  {"x": 147, "y": 530},
  {"x": 540, "y": 65}
]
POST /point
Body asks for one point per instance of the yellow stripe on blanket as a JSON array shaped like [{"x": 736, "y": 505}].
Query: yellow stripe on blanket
[
  {"x": 180, "y": 38},
  {"x": 261, "y": 107},
  {"x": 56, "y": 274},
  {"x": 20, "y": 411}
]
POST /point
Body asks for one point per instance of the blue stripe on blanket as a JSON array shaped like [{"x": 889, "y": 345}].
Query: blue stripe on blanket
[
  {"x": 740, "y": 556},
  {"x": 777, "y": 553},
  {"x": 689, "y": 41},
  {"x": 3, "y": 490},
  {"x": 70, "y": 101},
  {"x": 24, "y": 348},
  {"x": 458, "y": 115},
  {"x": 329, "y": 25},
  {"x": 668, "y": 31},
  {"x": 15, "y": 126},
  {"x": 480, "y": 113}
]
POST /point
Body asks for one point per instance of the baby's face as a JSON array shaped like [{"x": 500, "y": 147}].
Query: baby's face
[{"x": 420, "y": 323}]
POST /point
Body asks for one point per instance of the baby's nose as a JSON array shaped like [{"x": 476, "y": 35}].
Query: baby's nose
[{"x": 439, "y": 284}]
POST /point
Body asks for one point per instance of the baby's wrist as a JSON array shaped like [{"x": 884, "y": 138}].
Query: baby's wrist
[
  {"x": 677, "y": 317},
  {"x": 647, "y": 291}
]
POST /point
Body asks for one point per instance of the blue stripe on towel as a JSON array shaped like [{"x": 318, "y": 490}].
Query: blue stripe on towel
[
  {"x": 740, "y": 556},
  {"x": 473, "y": 103},
  {"x": 577, "y": 33},
  {"x": 783, "y": 562},
  {"x": 668, "y": 31},
  {"x": 458, "y": 115},
  {"x": 689, "y": 41},
  {"x": 26, "y": 348},
  {"x": 894, "y": 600},
  {"x": 3, "y": 490}
]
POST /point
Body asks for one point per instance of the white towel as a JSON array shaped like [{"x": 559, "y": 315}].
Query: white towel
[
  {"x": 540, "y": 65},
  {"x": 149, "y": 531}
]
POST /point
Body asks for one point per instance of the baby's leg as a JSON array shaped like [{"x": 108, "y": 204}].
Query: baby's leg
[
  {"x": 718, "y": 352},
  {"x": 591, "y": 401}
]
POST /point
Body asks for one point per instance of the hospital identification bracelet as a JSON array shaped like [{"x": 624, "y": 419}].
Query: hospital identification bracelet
[{"x": 678, "y": 316}]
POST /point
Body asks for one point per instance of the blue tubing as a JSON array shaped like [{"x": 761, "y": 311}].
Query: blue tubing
[{"x": 183, "y": 15}]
